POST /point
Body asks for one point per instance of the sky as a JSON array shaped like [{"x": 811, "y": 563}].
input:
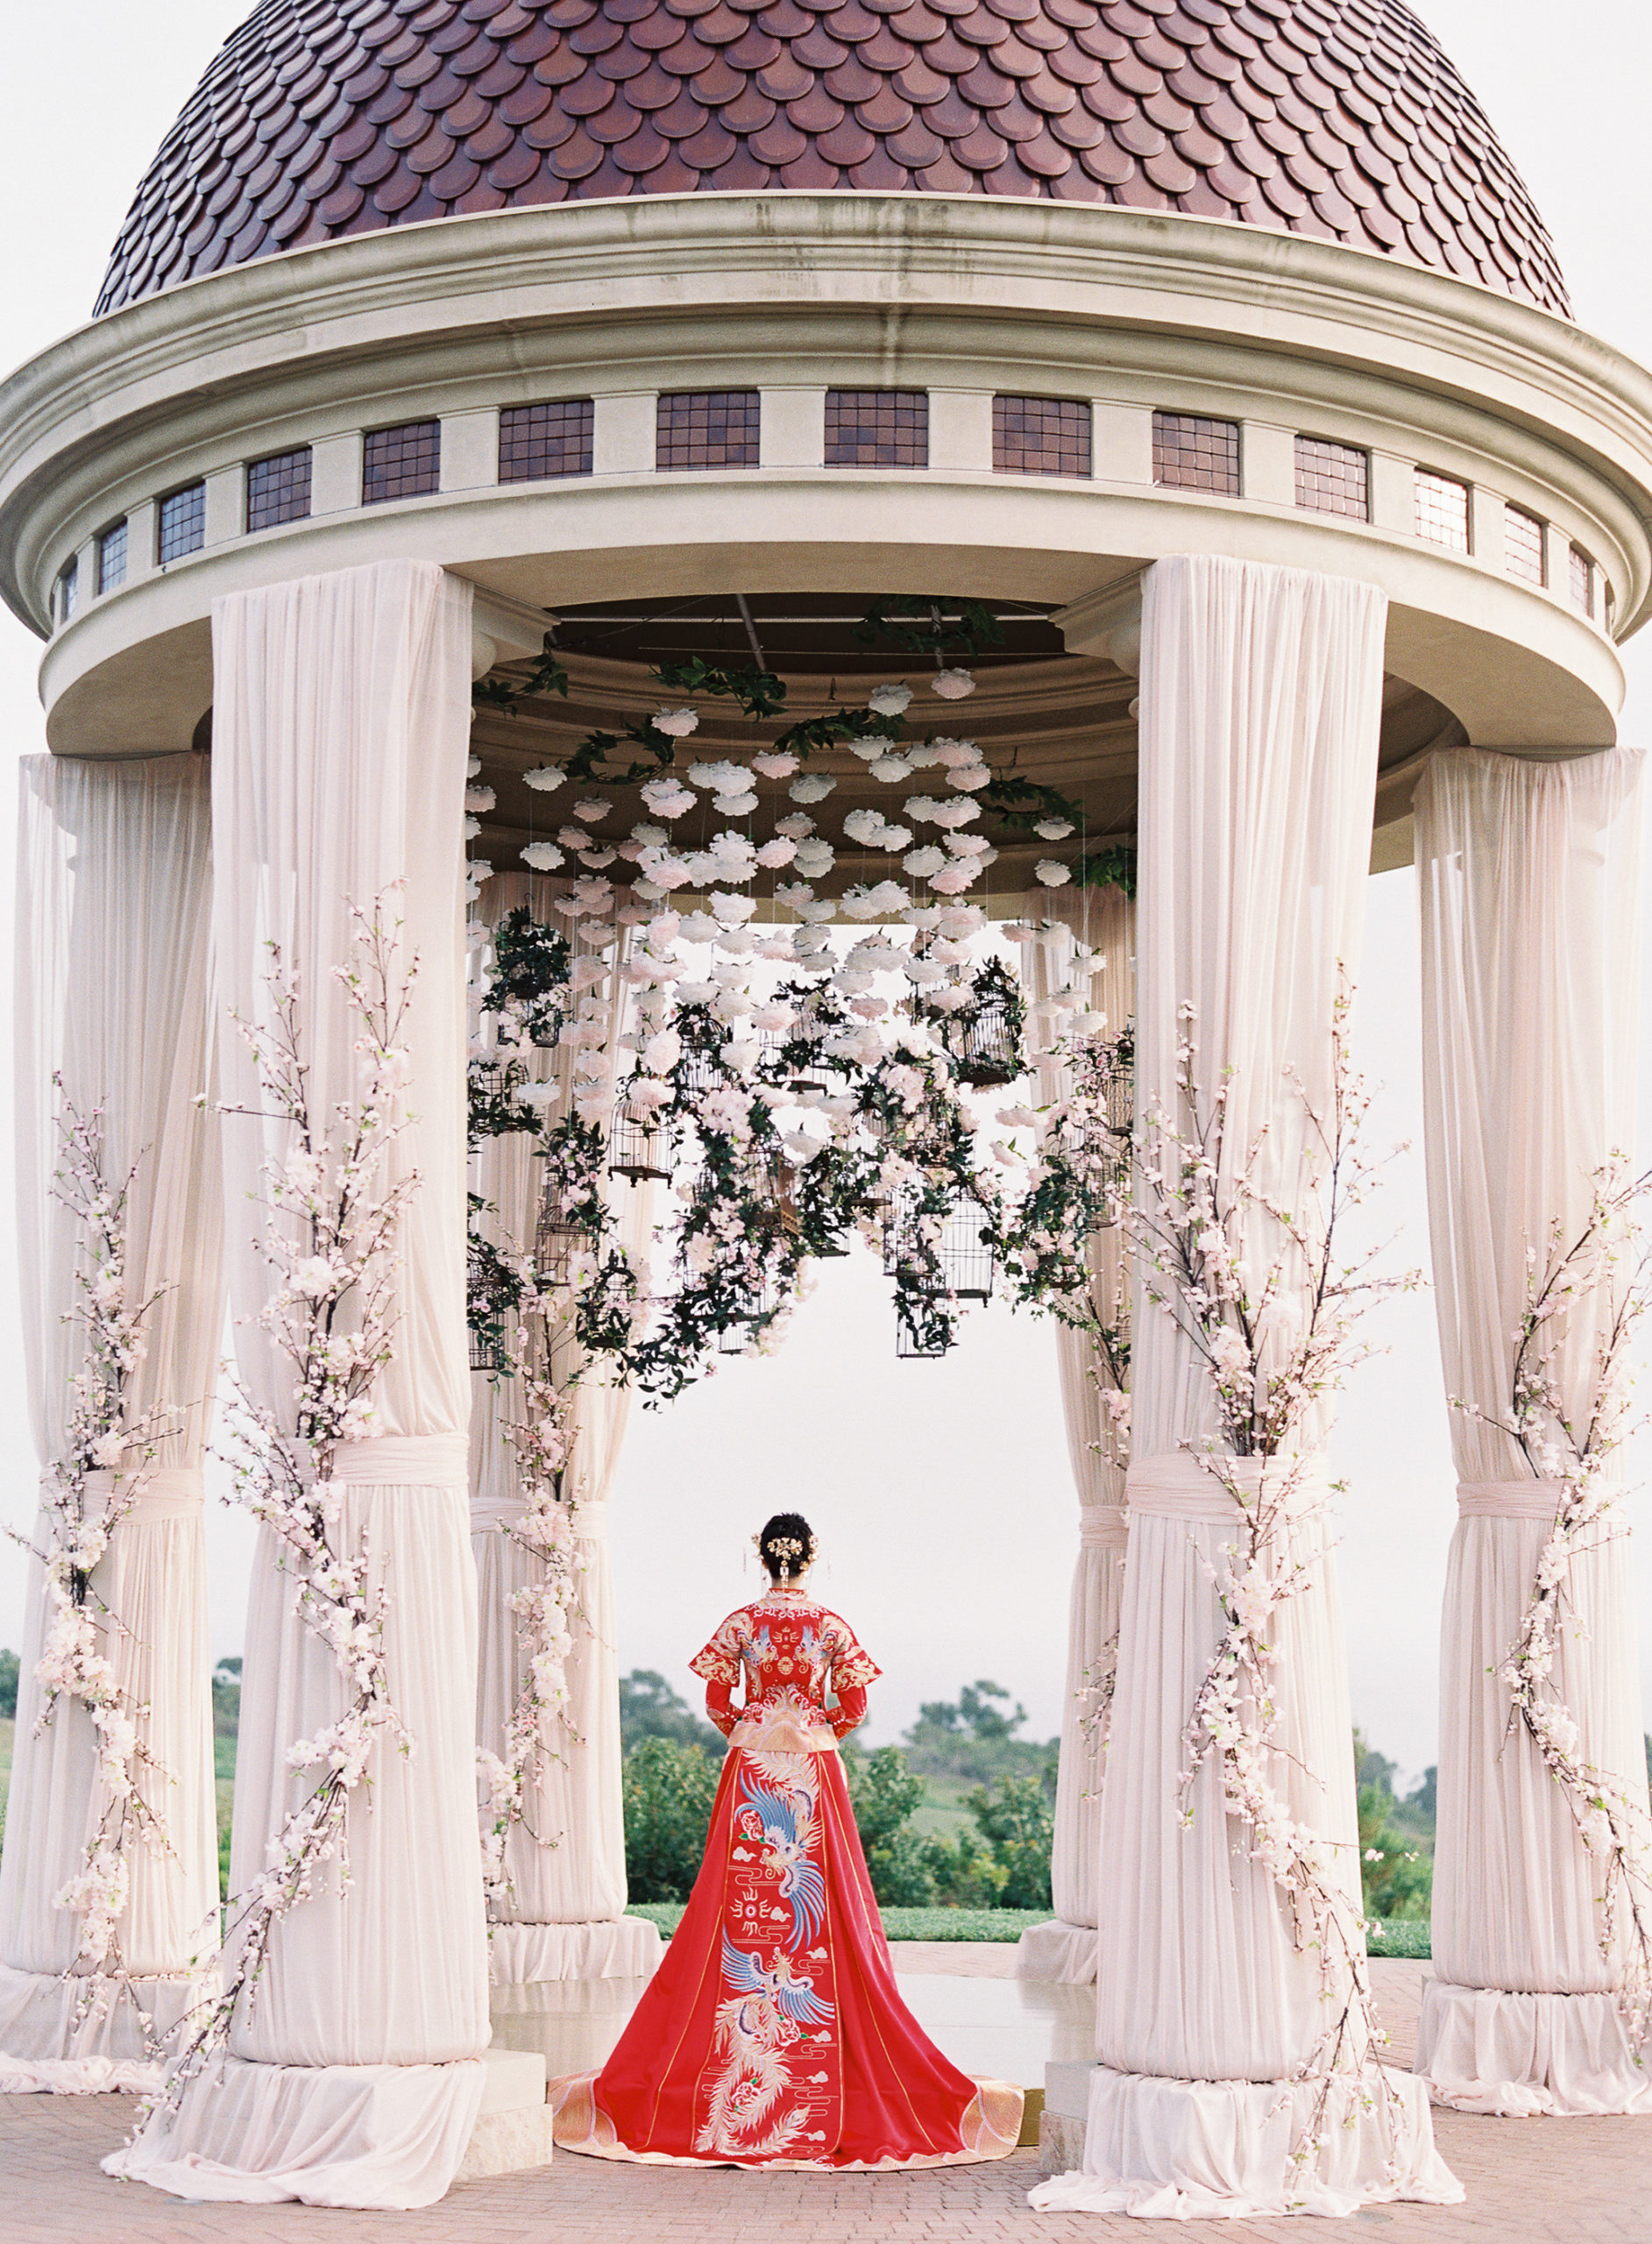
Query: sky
[{"x": 941, "y": 1492}]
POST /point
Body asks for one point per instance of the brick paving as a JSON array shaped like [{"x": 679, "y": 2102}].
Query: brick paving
[{"x": 1529, "y": 2181}]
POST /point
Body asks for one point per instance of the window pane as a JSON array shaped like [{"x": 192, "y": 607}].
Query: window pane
[
  {"x": 278, "y": 489},
  {"x": 877, "y": 427},
  {"x": 1332, "y": 479},
  {"x": 402, "y": 463},
  {"x": 111, "y": 558},
  {"x": 181, "y": 524},
  {"x": 1583, "y": 581},
  {"x": 1040, "y": 436},
  {"x": 536, "y": 441},
  {"x": 1192, "y": 454},
  {"x": 707, "y": 428},
  {"x": 1523, "y": 545},
  {"x": 70, "y": 582},
  {"x": 1443, "y": 510}
]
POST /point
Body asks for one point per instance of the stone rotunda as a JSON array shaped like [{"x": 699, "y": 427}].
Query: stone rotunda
[{"x": 1216, "y": 352}]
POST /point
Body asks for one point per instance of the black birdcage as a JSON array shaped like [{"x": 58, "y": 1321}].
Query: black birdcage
[
  {"x": 1118, "y": 1071},
  {"x": 760, "y": 1300},
  {"x": 482, "y": 1313},
  {"x": 810, "y": 1026},
  {"x": 984, "y": 1036},
  {"x": 956, "y": 1259},
  {"x": 639, "y": 1146},
  {"x": 559, "y": 1236}
]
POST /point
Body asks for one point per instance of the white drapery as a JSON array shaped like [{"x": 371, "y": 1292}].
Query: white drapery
[
  {"x": 1260, "y": 706},
  {"x": 340, "y": 735},
  {"x": 1103, "y": 920},
  {"x": 1529, "y": 875},
  {"x": 114, "y": 901},
  {"x": 565, "y": 1917}
]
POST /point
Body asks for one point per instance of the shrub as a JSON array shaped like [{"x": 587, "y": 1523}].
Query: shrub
[
  {"x": 668, "y": 1788},
  {"x": 10, "y": 1666},
  {"x": 1017, "y": 1821},
  {"x": 884, "y": 1793}
]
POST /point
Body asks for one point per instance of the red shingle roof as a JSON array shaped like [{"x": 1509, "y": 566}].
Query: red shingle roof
[{"x": 1336, "y": 117}]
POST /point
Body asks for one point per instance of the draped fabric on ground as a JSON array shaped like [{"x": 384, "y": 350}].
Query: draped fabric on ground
[
  {"x": 1529, "y": 875},
  {"x": 114, "y": 898},
  {"x": 1105, "y": 919},
  {"x": 736, "y": 2022},
  {"x": 340, "y": 735},
  {"x": 565, "y": 1916},
  {"x": 1259, "y": 712}
]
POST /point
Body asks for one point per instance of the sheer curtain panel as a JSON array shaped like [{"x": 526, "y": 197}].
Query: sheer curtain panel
[
  {"x": 1259, "y": 711},
  {"x": 1530, "y": 874},
  {"x": 565, "y": 1915},
  {"x": 1057, "y": 981},
  {"x": 114, "y": 909},
  {"x": 340, "y": 735}
]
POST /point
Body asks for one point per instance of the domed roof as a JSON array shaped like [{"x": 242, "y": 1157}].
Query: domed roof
[{"x": 1336, "y": 117}]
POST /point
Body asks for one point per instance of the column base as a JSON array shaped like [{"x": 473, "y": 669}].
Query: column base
[
  {"x": 373, "y": 2138},
  {"x": 614, "y": 1947},
  {"x": 47, "y": 2047},
  {"x": 1522, "y": 2057},
  {"x": 1058, "y": 1952},
  {"x": 1220, "y": 2151}
]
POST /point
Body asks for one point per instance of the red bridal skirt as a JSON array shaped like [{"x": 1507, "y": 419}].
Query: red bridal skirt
[{"x": 773, "y": 2033}]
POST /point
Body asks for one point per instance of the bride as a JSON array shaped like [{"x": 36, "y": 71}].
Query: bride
[{"x": 773, "y": 2033}]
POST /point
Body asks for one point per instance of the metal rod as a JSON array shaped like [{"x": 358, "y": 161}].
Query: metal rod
[{"x": 752, "y": 640}]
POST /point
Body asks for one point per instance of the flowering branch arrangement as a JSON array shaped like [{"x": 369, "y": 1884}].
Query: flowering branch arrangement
[
  {"x": 1598, "y": 1283},
  {"x": 106, "y": 1437},
  {"x": 333, "y": 1218},
  {"x": 1255, "y": 1279}
]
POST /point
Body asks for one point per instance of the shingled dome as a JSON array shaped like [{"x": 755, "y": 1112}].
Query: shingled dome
[{"x": 1335, "y": 117}]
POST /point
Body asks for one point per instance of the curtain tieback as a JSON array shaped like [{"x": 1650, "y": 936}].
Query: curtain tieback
[
  {"x": 493, "y": 1513},
  {"x": 161, "y": 1493},
  {"x": 1528, "y": 1499},
  {"x": 1177, "y": 1485},
  {"x": 405, "y": 1461},
  {"x": 590, "y": 1521},
  {"x": 1103, "y": 1526}
]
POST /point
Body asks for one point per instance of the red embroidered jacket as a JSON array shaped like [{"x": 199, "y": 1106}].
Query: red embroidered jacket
[{"x": 787, "y": 1646}]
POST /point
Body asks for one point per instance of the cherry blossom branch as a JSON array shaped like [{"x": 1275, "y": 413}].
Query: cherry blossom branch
[
  {"x": 1607, "y": 1266},
  {"x": 330, "y": 1238}
]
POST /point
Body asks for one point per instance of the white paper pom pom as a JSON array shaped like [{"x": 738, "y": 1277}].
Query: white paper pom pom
[
  {"x": 891, "y": 700},
  {"x": 547, "y": 776},
  {"x": 1053, "y": 872},
  {"x": 544, "y": 856},
  {"x": 677, "y": 724},
  {"x": 813, "y": 787},
  {"x": 952, "y": 685},
  {"x": 1054, "y": 830}
]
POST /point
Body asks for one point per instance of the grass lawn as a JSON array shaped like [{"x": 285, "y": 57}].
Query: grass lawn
[
  {"x": 943, "y": 1815},
  {"x": 898, "y": 1924}
]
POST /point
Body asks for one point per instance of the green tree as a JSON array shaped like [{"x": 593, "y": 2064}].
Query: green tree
[
  {"x": 975, "y": 1737},
  {"x": 10, "y": 1668},
  {"x": 1015, "y": 1818},
  {"x": 650, "y": 1708},
  {"x": 884, "y": 1794},
  {"x": 1396, "y": 1837},
  {"x": 668, "y": 1787}
]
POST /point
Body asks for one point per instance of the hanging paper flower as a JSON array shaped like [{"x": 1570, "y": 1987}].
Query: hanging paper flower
[
  {"x": 815, "y": 857},
  {"x": 891, "y": 700},
  {"x": 960, "y": 920},
  {"x": 663, "y": 870},
  {"x": 889, "y": 769},
  {"x": 780, "y": 851},
  {"x": 775, "y": 763},
  {"x": 793, "y": 894},
  {"x": 922, "y": 863},
  {"x": 921, "y": 808},
  {"x": 592, "y": 895},
  {"x": 1054, "y": 830},
  {"x": 545, "y": 777},
  {"x": 472, "y": 828},
  {"x": 920, "y": 753},
  {"x": 479, "y": 798},
  {"x": 473, "y": 765},
  {"x": 969, "y": 845},
  {"x": 737, "y": 805},
  {"x": 731, "y": 909},
  {"x": 961, "y": 873},
  {"x": 592, "y": 811},
  {"x": 677, "y": 724},
  {"x": 667, "y": 796},
  {"x": 797, "y": 824},
  {"x": 969, "y": 778},
  {"x": 813, "y": 787},
  {"x": 953, "y": 753},
  {"x": 1053, "y": 872},
  {"x": 952, "y": 685},
  {"x": 955, "y": 814},
  {"x": 651, "y": 837},
  {"x": 865, "y": 826},
  {"x": 723, "y": 778}
]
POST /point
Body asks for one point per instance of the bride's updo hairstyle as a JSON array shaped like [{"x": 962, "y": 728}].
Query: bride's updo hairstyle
[{"x": 786, "y": 1545}]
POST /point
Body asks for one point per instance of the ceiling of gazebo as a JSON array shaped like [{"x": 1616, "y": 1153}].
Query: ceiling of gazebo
[{"x": 1058, "y": 719}]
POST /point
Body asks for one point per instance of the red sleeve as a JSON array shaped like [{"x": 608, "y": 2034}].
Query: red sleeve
[
  {"x": 849, "y": 1710},
  {"x": 720, "y": 1706}
]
